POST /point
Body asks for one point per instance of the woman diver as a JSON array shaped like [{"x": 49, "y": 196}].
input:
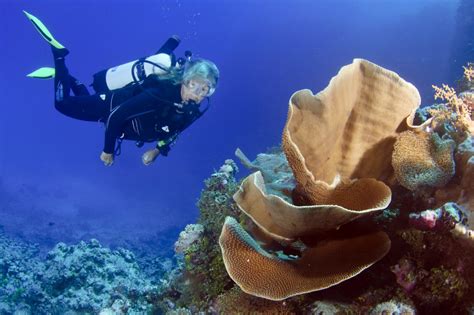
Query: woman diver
[{"x": 151, "y": 99}]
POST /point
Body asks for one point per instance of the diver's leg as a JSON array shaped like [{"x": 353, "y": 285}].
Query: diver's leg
[
  {"x": 62, "y": 83},
  {"x": 82, "y": 106},
  {"x": 77, "y": 87}
]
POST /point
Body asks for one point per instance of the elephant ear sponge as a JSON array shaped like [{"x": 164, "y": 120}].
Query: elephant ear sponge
[
  {"x": 262, "y": 274},
  {"x": 422, "y": 159}
]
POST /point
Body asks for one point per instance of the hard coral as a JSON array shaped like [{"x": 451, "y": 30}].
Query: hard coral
[
  {"x": 393, "y": 308},
  {"x": 191, "y": 233},
  {"x": 442, "y": 219},
  {"x": 346, "y": 131},
  {"x": 262, "y": 274},
  {"x": 204, "y": 276},
  {"x": 461, "y": 189},
  {"x": 276, "y": 172},
  {"x": 82, "y": 278},
  {"x": 421, "y": 159},
  {"x": 455, "y": 116},
  {"x": 282, "y": 220},
  {"x": 338, "y": 144},
  {"x": 405, "y": 274},
  {"x": 235, "y": 301},
  {"x": 441, "y": 285}
]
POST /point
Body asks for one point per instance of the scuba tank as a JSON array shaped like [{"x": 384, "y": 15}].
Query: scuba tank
[{"x": 137, "y": 70}]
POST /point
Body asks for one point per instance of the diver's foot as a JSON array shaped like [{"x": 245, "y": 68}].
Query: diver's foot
[
  {"x": 59, "y": 52},
  {"x": 43, "y": 30},
  {"x": 43, "y": 73}
]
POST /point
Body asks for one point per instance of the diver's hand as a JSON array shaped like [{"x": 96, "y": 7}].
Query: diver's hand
[
  {"x": 150, "y": 156},
  {"x": 107, "y": 158}
]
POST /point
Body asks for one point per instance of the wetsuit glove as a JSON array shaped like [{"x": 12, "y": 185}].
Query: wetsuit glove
[
  {"x": 150, "y": 156},
  {"x": 107, "y": 158}
]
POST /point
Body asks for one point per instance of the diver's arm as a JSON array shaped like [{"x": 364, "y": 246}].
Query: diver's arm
[
  {"x": 138, "y": 105},
  {"x": 164, "y": 146}
]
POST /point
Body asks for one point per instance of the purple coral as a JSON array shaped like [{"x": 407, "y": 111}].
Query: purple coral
[
  {"x": 425, "y": 220},
  {"x": 405, "y": 274},
  {"x": 443, "y": 218}
]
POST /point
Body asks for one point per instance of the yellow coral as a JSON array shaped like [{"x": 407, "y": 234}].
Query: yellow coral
[
  {"x": 457, "y": 111},
  {"x": 469, "y": 72}
]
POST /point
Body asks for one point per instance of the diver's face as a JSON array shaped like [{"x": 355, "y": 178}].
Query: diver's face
[{"x": 194, "y": 90}]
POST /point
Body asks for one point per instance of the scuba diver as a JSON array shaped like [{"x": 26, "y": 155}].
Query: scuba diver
[{"x": 147, "y": 100}]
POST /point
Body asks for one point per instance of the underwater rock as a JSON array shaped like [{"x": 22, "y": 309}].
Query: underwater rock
[{"x": 464, "y": 233}]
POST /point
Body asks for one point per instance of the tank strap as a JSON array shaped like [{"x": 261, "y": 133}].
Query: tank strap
[
  {"x": 118, "y": 146},
  {"x": 141, "y": 75}
]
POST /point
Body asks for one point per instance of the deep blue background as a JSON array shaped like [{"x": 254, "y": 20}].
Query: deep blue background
[{"x": 265, "y": 50}]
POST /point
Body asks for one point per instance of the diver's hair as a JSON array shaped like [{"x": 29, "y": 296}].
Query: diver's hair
[
  {"x": 175, "y": 75},
  {"x": 200, "y": 68}
]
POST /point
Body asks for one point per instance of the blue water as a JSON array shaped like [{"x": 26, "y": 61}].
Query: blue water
[{"x": 265, "y": 50}]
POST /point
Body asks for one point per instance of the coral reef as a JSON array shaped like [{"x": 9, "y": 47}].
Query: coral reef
[
  {"x": 201, "y": 275},
  {"x": 426, "y": 213},
  {"x": 18, "y": 266},
  {"x": 82, "y": 278},
  {"x": 337, "y": 168}
]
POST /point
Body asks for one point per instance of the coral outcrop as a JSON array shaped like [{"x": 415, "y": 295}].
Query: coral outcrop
[
  {"x": 285, "y": 221},
  {"x": 83, "y": 278},
  {"x": 190, "y": 235},
  {"x": 201, "y": 273},
  {"x": 276, "y": 278},
  {"x": 338, "y": 144},
  {"x": 346, "y": 133},
  {"x": 422, "y": 159},
  {"x": 287, "y": 238}
]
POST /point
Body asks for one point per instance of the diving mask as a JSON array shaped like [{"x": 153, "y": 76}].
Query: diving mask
[{"x": 200, "y": 87}]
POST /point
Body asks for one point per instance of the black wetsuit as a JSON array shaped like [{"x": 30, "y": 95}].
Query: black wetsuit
[{"x": 151, "y": 111}]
